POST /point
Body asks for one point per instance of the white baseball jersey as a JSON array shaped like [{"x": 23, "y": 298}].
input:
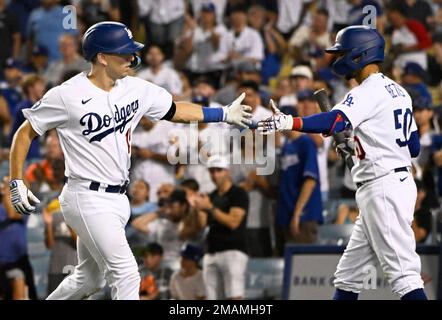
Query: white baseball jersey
[
  {"x": 381, "y": 114},
  {"x": 95, "y": 126}
]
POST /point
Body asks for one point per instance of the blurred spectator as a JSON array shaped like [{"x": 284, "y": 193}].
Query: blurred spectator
[
  {"x": 199, "y": 50},
  {"x": 308, "y": 106},
  {"x": 40, "y": 175},
  {"x": 241, "y": 42},
  {"x": 164, "y": 226},
  {"x": 204, "y": 91},
  {"x": 155, "y": 277},
  {"x": 421, "y": 226},
  {"x": 346, "y": 214},
  {"x": 5, "y": 123},
  {"x": 70, "y": 60},
  {"x": 16, "y": 275},
  {"x": 419, "y": 10},
  {"x": 9, "y": 34},
  {"x": 408, "y": 40},
  {"x": 253, "y": 100},
  {"x": 220, "y": 7},
  {"x": 164, "y": 191},
  {"x": 259, "y": 214},
  {"x": 59, "y": 237},
  {"x": 308, "y": 42},
  {"x": 423, "y": 115},
  {"x": 422, "y": 222},
  {"x": 244, "y": 71},
  {"x": 22, "y": 10},
  {"x": 291, "y": 14},
  {"x": 165, "y": 24},
  {"x": 191, "y": 188},
  {"x": 139, "y": 198},
  {"x": 338, "y": 14},
  {"x": 225, "y": 212},
  {"x": 188, "y": 283},
  {"x": 301, "y": 78},
  {"x": 159, "y": 73},
  {"x": 139, "y": 205},
  {"x": 10, "y": 87},
  {"x": 149, "y": 151},
  {"x": 435, "y": 61},
  {"x": 33, "y": 88},
  {"x": 38, "y": 61},
  {"x": 413, "y": 79},
  {"x": 299, "y": 208},
  {"x": 45, "y": 27},
  {"x": 274, "y": 43},
  {"x": 94, "y": 11}
]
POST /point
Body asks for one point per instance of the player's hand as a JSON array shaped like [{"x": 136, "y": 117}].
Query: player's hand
[
  {"x": 22, "y": 197},
  {"x": 278, "y": 122},
  {"x": 346, "y": 149},
  {"x": 237, "y": 113}
]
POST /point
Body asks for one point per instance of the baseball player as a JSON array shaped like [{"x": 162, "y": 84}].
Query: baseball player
[
  {"x": 385, "y": 136},
  {"x": 95, "y": 115}
]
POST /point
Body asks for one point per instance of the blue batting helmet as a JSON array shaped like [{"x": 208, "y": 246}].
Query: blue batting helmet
[
  {"x": 359, "y": 46},
  {"x": 110, "y": 37}
]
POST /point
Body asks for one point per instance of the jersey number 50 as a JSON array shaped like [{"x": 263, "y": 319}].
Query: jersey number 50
[{"x": 405, "y": 125}]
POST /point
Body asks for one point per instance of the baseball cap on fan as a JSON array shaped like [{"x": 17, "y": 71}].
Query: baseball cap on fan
[
  {"x": 218, "y": 161},
  {"x": 208, "y": 7},
  {"x": 302, "y": 71},
  {"x": 13, "y": 64}
]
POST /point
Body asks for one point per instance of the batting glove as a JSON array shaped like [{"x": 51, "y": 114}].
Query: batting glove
[
  {"x": 346, "y": 149},
  {"x": 278, "y": 122},
  {"x": 21, "y": 197},
  {"x": 237, "y": 113}
]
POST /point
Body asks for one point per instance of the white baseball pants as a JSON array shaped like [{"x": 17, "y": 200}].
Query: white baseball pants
[
  {"x": 99, "y": 219},
  {"x": 383, "y": 234}
]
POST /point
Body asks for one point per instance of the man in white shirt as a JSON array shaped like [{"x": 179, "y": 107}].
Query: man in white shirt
[
  {"x": 291, "y": 14},
  {"x": 203, "y": 49},
  {"x": 242, "y": 42},
  {"x": 159, "y": 73},
  {"x": 165, "y": 23},
  {"x": 301, "y": 78},
  {"x": 70, "y": 60}
]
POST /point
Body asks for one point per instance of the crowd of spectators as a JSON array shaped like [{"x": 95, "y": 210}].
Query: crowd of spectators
[{"x": 195, "y": 225}]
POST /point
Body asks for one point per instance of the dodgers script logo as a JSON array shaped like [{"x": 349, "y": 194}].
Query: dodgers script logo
[{"x": 95, "y": 123}]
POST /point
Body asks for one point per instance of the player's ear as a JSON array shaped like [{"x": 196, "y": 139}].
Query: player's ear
[{"x": 101, "y": 59}]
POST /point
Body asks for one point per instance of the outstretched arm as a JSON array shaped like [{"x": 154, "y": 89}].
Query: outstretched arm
[
  {"x": 235, "y": 113},
  {"x": 326, "y": 123}
]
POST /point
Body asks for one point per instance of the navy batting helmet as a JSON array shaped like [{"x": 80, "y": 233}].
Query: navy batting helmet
[
  {"x": 359, "y": 46},
  {"x": 110, "y": 37}
]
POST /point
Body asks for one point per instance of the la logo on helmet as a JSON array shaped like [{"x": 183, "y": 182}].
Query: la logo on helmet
[{"x": 129, "y": 33}]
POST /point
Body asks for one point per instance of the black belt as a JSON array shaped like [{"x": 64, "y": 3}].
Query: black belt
[
  {"x": 112, "y": 189},
  {"x": 401, "y": 169}
]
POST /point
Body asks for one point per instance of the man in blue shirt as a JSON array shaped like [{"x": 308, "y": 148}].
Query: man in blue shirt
[
  {"x": 10, "y": 86},
  {"x": 34, "y": 88},
  {"x": 45, "y": 26},
  {"x": 299, "y": 205}
]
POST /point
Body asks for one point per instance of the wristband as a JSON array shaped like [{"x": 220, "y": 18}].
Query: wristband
[
  {"x": 297, "y": 124},
  {"x": 213, "y": 114}
]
